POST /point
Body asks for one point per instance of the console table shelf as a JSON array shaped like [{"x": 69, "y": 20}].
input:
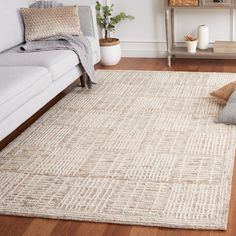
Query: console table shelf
[
  {"x": 173, "y": 50},
  {"x": 209, "y": 53}
]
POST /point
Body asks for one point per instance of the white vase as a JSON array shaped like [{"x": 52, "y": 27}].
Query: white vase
[
  {"x": 110, "y": 53},
  {"x": 192, "y": 46},
  {"x": 203, "y": 37}
]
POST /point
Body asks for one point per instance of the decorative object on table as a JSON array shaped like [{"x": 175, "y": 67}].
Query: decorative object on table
[
  {"x": 203, "y": 37},
  {"x": 191, "y": 42},
  {"x": 224, "y": 93},
  {"x": 180, "y": 3},
  {"x": 225, "y": 47},
  {"x": 217, "y": 3},
  {"x": 228, "y": 115},
  {"x": 110, "y": 47}
]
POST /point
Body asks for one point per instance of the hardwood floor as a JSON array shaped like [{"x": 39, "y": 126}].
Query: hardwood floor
[{"x": 16, "y": 226}]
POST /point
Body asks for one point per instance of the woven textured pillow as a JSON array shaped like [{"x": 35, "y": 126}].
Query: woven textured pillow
[
  {"x": 41, "y": 23},
  {"x": 225, "y": 92}
]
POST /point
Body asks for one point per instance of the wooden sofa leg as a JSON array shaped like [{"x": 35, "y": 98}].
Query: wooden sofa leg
[{"x": 83, "y": 80}]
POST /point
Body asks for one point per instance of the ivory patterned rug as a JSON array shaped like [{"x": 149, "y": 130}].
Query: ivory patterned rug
[{"x": 140, "y": 148}]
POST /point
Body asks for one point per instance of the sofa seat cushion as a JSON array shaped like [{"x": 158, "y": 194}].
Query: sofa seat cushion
[
  {"x": 58, "y": 62},
  {"x": 20, "y": 84}
]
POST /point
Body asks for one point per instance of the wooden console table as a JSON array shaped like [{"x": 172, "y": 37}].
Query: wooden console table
[{"x": 173, "y": 50}]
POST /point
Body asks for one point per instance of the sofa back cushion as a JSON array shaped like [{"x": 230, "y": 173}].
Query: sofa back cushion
[{"x": 11, "y": 25}]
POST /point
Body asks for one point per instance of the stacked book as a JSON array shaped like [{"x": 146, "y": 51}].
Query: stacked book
[{"x": 225, "y": 47}]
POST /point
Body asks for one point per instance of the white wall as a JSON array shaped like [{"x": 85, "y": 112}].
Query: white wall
[{"x": 145, "y": 36}]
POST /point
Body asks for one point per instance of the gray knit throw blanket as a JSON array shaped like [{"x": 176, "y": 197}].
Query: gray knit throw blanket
[
  {"x": 45, "y": 4},
  {"x": 79, "y": 44}
]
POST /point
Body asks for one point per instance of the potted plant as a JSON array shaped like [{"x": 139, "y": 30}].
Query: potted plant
[
  {"x": 191, "y": 42},
  {"x": 110, "y": 47}
]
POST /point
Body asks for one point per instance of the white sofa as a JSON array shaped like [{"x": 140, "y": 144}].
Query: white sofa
[{"x": 28, "y": 81}]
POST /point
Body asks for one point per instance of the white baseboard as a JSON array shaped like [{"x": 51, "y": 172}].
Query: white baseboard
[{"x": 143, "y": 49}]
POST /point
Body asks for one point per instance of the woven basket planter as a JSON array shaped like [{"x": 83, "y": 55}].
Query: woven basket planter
[{"x": 180, "y": 3}]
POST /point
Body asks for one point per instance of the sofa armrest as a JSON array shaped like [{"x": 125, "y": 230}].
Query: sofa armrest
[
  {"x": 88, "y": 21},
  {"x": 87, "y": 15}
]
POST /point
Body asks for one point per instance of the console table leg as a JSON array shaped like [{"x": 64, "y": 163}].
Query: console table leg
[
  {"x": 168, "y": 16},
  {"x": 169, "y": 61}
]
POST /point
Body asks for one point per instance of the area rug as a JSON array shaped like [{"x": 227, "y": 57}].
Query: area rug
[{"x": 139, "y": 148}]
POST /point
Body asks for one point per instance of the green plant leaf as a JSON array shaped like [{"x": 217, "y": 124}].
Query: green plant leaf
[
  {"x": 98, "y": 6},
  {"x": 106, "y": 21}
]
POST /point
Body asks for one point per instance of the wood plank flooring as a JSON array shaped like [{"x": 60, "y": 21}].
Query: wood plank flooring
[{"x": 17, "y": 226}]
